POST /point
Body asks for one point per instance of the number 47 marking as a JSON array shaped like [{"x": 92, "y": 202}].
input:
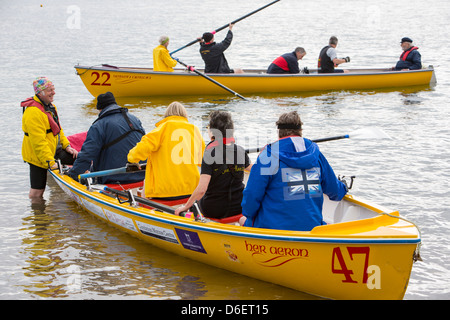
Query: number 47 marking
[{"x": 337, "y": 254}]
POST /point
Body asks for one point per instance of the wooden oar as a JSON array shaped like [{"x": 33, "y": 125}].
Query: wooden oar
[
  {"x": 103, "y": 173},
  {"x": 127, "y": 194},
  {"x": 225, "y": 26},
  {"x": 141, "y": 200},
  {"x": 212, "y": 80},
  {"x": 364, "y": 133}
]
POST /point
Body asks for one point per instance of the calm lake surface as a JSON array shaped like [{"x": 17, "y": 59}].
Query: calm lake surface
[{"x": 43, "y": 246}]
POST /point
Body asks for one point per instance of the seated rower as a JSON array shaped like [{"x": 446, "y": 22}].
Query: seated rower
[
  {"x": 286, "y": 185},
  {"x": 410, "y": 59},
  {"x": 287, "y": 63},
  {"x": 173, "y": 151},
  {"x": 328, "y": 59},
  {"x": 222, "y": 172}
]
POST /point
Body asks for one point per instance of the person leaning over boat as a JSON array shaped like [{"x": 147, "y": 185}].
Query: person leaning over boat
[
  {"x": 287, "y": 182},
  {"x": 173, "y": 151},
  {"x": 328, "y": 59},
  {"x": 44, "y": 140},
  {"x": 410, "y": 59},
  {"x": 222, "y": 173},
  {"x": 108, "y": 141},
  {"x": 288, "y": 62},
  {"x": 213, "y": 55},
  {"x": 162, "y": 61}
]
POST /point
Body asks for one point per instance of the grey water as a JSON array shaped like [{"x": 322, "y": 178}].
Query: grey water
[{"x": 56, "y": 250}]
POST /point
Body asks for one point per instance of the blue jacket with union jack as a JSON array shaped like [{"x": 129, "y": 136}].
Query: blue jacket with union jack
[{"x": 286, "y": 186}]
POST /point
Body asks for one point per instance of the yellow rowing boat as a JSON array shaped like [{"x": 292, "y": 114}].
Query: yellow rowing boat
[
  {"x": 364, "y": 251},
  {"x": 136, "y": 82}
]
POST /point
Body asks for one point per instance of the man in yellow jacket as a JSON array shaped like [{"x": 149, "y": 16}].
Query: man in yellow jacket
[
  {"x": 44, "y": 139},
  {"x": 162, "y": 61},
  {"x": 174, "y": 151}
]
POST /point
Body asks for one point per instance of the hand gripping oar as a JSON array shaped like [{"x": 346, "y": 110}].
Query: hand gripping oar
[
  {"x": 225, "y": 26},
  {"x": 364, "y": 133},
  {"x": 210, "y": 79},
  {"x": 127, "y": 169}
]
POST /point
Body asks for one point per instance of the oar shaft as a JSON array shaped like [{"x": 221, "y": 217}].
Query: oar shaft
[
  {"x": 103, "y": 173},
  {"x": 225, "y": 26},
  {"x": 246, "y": 16},
  {"x": 212, "y": 80},
  {"x": 331, "y": 138},
  {"x": 141, "y": 200},
  {"x": 258, "y": 149}
]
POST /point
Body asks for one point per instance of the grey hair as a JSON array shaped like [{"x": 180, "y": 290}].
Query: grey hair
[
  {"x": 300, "y": 50},
  {"x": 333, "y": 40}
]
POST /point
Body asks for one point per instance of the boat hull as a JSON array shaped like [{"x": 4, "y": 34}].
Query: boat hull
[
  {"x": 366, "y": 259},
  {"x": 136, "y": 82}
]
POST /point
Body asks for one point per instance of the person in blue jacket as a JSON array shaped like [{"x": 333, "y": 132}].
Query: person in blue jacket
[
  {"x": 410, "y": 59},
  {"x": 288, "y": 62},
  {"x": 108, "y": 141},
  {"x": 286, "y": 184}
]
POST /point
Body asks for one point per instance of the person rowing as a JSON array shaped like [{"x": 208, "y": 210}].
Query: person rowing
[{"x": 213, "y": 55}]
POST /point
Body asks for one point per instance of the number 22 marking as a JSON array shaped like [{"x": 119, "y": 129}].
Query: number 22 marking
[
  {"x": 337, "y": 253},
  {"x": 97, "y": 75}
]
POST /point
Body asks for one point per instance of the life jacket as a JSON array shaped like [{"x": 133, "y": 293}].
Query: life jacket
[
  {"x": 55, "y": 128},
  {"x": 405, "y": 54},
  {"x": 282, "y": 63},
  {"x": 325, "y": 64}
]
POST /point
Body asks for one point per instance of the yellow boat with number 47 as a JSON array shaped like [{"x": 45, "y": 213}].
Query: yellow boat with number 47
[
  {"x": 140, "y": 82},
  {"x": 364, "y": 251}
]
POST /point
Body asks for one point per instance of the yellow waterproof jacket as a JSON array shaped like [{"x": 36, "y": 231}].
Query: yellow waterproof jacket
[
  {"x": 174, "y": 151},
  {"x": 39, "y": 144},
  {"x": 162, "y": 61}
]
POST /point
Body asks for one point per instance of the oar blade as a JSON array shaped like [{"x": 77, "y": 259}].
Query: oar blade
[{"x": 369, "y": 133}]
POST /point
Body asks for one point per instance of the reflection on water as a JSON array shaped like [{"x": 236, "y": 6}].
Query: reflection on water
[{"x": 71, "y": 254}]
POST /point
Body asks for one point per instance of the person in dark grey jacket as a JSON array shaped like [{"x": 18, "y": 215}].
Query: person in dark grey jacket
[
  {"x": 213, "y": 53},
  {"x": 108, "y": 142}
]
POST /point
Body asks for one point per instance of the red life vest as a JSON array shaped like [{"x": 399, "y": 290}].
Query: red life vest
[
  {"x": 54, "y": 126},
  {"x": 216, "y": 143},
  {"x": 405, "y": 54},
  {"x": 282, "y": 63}
]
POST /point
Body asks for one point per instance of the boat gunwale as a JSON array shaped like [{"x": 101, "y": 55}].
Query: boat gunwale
[
  {"x": 353, "y": 72},
  {"x": 268, "y": 234}
]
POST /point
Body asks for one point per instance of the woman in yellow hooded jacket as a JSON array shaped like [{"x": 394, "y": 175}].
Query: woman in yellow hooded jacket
[
  {"x": 162, "y": 61},
  {"x": 174, "y": 151}
]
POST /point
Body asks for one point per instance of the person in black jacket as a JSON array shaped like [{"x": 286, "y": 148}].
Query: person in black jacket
[
  {"x": 108, "y": 142},
  {"x": 410, "y": 59},
  {"x": 288, "y": 62},
  {"x": 213, "y": 53}
]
